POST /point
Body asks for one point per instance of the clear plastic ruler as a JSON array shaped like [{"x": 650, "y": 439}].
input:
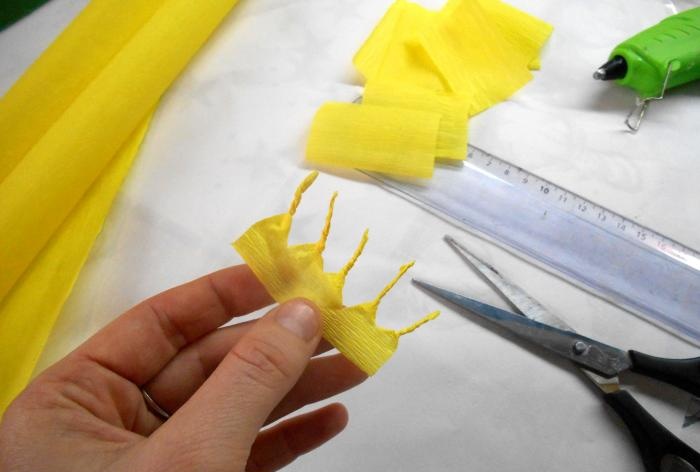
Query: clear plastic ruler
[{"x": 612, "y": 256}]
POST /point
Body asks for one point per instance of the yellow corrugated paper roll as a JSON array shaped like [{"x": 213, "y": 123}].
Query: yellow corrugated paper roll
[{"x": 70, "y": 128}]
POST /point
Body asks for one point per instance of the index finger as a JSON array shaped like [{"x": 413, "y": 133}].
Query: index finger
[{"x": 139, "y": 343}]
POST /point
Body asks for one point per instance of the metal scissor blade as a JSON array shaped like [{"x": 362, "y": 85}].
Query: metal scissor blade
[
  {"x": 598, "y": 357},
  {"x": 529, "y": 307}
]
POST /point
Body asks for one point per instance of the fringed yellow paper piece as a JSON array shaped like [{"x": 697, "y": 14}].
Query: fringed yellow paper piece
[
  {"x": 455, "y": 62},
  {"x": 297, "y": 271},
  {"x": 69, "y": 130},
  {"x": 377, "y": 138}
]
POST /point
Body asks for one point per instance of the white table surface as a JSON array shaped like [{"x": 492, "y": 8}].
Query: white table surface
[{"x": 226, "y": 149}]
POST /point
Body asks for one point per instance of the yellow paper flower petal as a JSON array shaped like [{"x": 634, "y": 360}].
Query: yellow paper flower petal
[
  {"x": 376, "y": 138},
  {"x": 453, "y": 110},
  {"x": 297, "y": 271}
]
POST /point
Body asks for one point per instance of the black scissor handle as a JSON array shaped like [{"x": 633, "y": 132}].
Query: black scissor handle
[
  {"x": 681, "y": 373},
  {"x": 654, "y": 441}
]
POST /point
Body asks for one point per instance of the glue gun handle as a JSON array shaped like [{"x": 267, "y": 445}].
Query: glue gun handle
[
  {"x": 681, "y": 373},
  {"x": 656, "y": 444}
]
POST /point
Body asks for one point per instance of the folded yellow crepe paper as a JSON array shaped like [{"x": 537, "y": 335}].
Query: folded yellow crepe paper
[
  {"x": 473, "y": 54},
  {"x": 64, "y": 70},
  {"x": 389, "y": 57},
  {"x": 527, "y": 34},
  {"x": 69, "y": 129},
  {"x": 406, "y": 62},
  {"x": 453, "y": 110},
  {"x": 297, "y": 271},
  {"x": 370, "y": 56},
  {"x": 377, "y": 138},
  {"x": 29, "y": 311},
  {"x": 77, "y": 139},
  {"x": 455, "y": 63}
]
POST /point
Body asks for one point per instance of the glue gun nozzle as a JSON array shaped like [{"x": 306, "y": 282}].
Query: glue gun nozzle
[{"x": 615, "y": 68}]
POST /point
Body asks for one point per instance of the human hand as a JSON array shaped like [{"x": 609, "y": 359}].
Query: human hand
[{"x": 221, "y": 386}]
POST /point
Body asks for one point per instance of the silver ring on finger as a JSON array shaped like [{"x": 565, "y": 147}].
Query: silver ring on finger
[{"x": 155, "y": 408}]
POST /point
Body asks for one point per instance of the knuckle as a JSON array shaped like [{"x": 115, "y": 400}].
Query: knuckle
[{"x": 262, "y": 362}]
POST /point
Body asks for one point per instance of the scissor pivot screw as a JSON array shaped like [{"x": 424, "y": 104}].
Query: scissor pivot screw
[{"x": 579, "y": 347}]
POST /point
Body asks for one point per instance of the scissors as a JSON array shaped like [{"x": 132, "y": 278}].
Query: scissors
[{"x": 601, "y": 363}]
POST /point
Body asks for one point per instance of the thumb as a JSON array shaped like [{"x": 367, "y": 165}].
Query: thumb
[{"x": 219, "y": 423}]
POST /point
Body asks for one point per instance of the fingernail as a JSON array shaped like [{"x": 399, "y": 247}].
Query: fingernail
[{"x": 299, "y": 318}]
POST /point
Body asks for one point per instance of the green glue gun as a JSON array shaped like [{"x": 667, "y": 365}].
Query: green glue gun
[{"x": 659, "y": 58}]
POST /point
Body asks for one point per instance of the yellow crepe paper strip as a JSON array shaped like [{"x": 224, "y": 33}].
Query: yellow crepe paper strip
[
  {"x": 455, "y": 62},
  {"x": 69, "y": 129},
  {"x": 487, "y": 41},
  {"x": 453, "y": 110},
  {"x": 473, "y": 55},
  {"x": 297, "y": 271},
  {"x": 391, "y": 58},
  {"x": 377, "y": 138},
  {"x": 526, "y": 34},
  {"x": 483, "y": 48},
  {"x": 370, "y": 56}
]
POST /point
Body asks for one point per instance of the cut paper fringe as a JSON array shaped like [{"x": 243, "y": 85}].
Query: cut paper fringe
[
  {"x": 290, "y": 272},
  {"x": 455, "y": 62}
]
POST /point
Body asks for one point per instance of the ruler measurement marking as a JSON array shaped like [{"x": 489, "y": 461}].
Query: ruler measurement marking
[
  {"x": 585, "y": 208},
  {"x": 600, "y": 250}
]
